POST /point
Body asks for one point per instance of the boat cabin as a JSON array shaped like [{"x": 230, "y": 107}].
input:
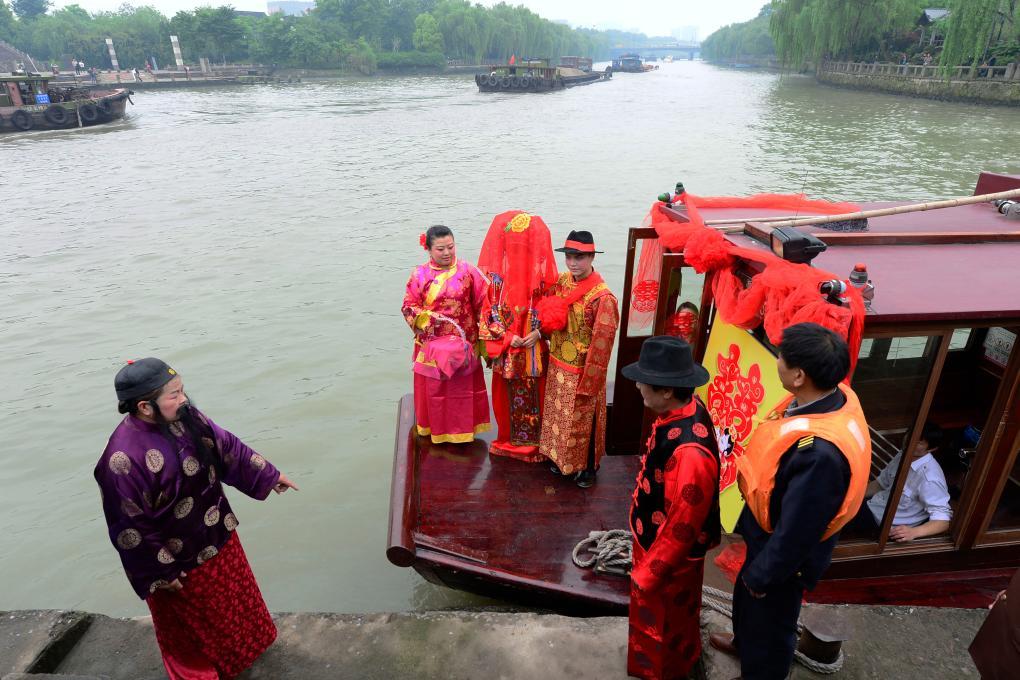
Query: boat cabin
[
  {"x": 630, "y": 63},
  {"x": 939, "y": 347},
  {"x": 23, "y": 90},
  {"x": 580, "y": 63}
]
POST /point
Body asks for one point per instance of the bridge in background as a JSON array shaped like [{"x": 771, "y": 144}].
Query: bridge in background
[{"x": 679, "y": 48}]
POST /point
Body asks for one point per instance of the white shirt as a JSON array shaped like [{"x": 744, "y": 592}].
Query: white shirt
[{"x": 925, "y": 494}]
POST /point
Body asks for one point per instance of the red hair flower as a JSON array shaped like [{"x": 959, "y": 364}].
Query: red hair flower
[{"x": 423, "y": 241}]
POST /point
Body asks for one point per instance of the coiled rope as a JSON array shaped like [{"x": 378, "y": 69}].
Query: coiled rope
[{"x": 612, "y": 552}]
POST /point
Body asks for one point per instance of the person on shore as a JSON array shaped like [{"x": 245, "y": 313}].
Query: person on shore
[
  {"x": 803, "y": 477},
  {"x": 160, "y": 480},
  {"x": 134, "y": 73},
  {"x": 517, "y": 258},
  {"x": 580, "y": 317},
  {"x": 674, "y": 514},
  {"x": 923, "y": 509},
  {"x": 74, "y": 65},
  {"x": 94, "y": 75},
  {"x": 442, "y": 304},
  {"x": 996, "y": 647}
]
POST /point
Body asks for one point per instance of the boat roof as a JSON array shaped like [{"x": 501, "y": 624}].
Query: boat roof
[
  {"x": 21, "y": 77},
  {"x": 969, "y": 277}
]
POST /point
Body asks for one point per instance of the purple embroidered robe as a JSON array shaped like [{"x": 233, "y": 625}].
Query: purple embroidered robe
[{"x": 165, "y": 510}]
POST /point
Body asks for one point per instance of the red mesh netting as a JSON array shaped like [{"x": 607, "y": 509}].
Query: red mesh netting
[
  {"x": 783, "y": 294},
  {"x": 518, "y": 251}
]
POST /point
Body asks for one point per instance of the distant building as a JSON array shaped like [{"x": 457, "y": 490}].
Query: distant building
[
  {"x": 292, "y": 8},
  {"x": 245, "y": 13}
]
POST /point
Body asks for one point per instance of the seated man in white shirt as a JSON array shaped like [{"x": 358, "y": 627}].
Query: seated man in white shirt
[{"x": 923, "y": 509}]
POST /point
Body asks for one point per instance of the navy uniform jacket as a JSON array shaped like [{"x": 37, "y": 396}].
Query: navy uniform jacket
[{"x": 811, "y": 483}]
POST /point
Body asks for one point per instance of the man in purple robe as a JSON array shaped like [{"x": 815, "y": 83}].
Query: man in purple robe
[{"x": 160, "y": 480}]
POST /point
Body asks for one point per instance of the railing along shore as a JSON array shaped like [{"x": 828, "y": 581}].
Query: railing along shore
[{"x": 1007, "y": 73}]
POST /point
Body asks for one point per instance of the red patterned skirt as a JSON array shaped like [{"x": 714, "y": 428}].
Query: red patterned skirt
[
  {"x": 665, "y": 626},
  {"x": 218, "y": 624}
]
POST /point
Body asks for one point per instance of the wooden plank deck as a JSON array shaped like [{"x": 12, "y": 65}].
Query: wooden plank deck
[{"x": 505, "y": 528}]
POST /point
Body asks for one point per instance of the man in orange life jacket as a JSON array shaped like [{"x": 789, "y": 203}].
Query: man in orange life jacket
[{"x": 803, "y": 477}]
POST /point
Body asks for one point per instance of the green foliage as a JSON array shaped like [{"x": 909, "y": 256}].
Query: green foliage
[
  {"x": 30, "y": 9},
  {"x": 978, "y": 29},
  {"x": 6, "y": 22},
  {"x": 358, "y": 57},
  {"x": 811, "y": 30},
  {"x": 352, "y": 34},
  {"x": 414, "y": 59},
  {"x": 739, "y": 41},
  {"x": 426, "y": 35}
]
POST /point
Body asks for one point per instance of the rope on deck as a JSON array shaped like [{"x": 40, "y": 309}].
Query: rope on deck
[{"x": 611, "y": 551}]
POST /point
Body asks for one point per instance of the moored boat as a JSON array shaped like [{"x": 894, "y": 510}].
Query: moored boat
[
  {"x": 536, "y": 75},
  {"x": 937, "y": 345},
  {"x": 28, "y": 102}
]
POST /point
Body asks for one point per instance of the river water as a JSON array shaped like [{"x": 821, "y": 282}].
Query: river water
[{"x": 259, "y": 239}]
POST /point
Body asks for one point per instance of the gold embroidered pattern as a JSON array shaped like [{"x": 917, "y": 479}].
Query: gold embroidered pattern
[
  {"x": 119, "y": 463},
  {"x": 128, "y": 539}
]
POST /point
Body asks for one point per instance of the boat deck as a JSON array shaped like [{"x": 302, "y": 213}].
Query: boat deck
[{"x": 501, "y": 527}]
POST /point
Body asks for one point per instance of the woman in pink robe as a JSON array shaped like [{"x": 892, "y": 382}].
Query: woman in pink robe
[{"x": 442, "y": 304}]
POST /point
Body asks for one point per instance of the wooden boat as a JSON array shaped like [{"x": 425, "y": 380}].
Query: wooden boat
[
  {"x": 27, "y": 102},
  {"x": 939, "y": 345},
  {"x": 632, "y": 63},
  {"x": 536, "y": 75}
]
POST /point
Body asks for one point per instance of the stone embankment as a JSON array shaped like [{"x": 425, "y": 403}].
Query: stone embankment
[
  {"x": 887, "y": 642},
  {"x": 983, "y": 85}
]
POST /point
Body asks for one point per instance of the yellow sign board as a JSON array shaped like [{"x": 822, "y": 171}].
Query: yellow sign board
[{"x": 743, "y": 386}]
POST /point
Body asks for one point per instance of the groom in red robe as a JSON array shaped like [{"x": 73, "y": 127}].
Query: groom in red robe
[{"x": 674, "y": 516}]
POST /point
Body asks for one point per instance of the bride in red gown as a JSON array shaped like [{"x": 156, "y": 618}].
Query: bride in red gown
[{"x": 517, "y": 258}]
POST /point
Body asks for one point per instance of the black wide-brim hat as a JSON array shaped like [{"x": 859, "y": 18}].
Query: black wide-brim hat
[
  {"x": 579, "y": 243},
  {"x": 666, "y": 361}
]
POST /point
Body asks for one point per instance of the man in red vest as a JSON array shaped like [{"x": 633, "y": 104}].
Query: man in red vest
[
  {"x": 803, "y": 478},
  {"x": 674, "y": 515}
]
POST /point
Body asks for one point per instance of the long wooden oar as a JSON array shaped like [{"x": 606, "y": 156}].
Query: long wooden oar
[{"x": 775, "y": 223}]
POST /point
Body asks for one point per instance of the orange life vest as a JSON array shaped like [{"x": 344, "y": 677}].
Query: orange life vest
[{"x": 846, "y": 428}]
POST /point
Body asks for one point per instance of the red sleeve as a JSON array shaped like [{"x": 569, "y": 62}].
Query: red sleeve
[
  {"x": 690, "y": 486},
  {"x": 596, "y": 362}
]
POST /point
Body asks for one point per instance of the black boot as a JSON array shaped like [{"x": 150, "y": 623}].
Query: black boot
[
  {"x": 555, "y": 470},
  {"x": 585, "y": 479}
]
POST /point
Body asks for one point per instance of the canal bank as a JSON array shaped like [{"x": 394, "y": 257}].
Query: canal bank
[
  {"x": 999, "y": 85},
  {"x": 886, "y": 642}
]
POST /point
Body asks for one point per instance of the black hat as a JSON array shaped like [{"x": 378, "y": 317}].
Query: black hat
[
  {"x": 579, "y": 243},
  {"x": 141, "y": 377},
  {"x": 666, "y": 361}
]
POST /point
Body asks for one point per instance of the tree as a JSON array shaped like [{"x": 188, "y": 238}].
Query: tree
[
  {"x": 30, "y": 9},
  {"x": 6, "y": 22},
  {"x": 427, "y": 37},
  {"x": 977, "y": 27},
  {"x": 808, "y": 30}
]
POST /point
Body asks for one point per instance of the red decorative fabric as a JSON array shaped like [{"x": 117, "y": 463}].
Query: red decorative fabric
[
  {"x": 518, "y": 250},
  {"x": 783, "y": 294},
  {"x": 552, "y": 310},
  {"x": 730, "y": 560},
  {"x": 218, "y": 625}
]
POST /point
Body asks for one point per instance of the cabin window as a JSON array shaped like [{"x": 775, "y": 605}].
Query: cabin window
[
  {"x": 1007, "y": 512},
  {"x": 682, "y": 314},
  {"x": 890, "y": 381},
  {"x": 961, "y": 339}
]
